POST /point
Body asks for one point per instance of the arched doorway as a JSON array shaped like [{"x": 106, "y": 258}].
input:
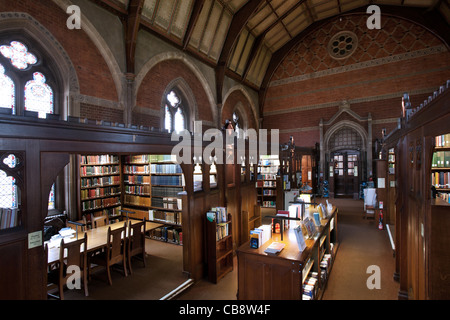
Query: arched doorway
[{"x": 346, "y": 159}]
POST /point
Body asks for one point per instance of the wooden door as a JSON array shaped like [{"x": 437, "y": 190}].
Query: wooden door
[{"x": 346, "y": 173}]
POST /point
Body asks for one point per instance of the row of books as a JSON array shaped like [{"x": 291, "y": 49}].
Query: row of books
[
  {"x": 9, "y": 218},
  {"x": 219, "y": 214},
  {"x": 269, "y": 204},
  {"x": 98, "y": 170},
  {"x": 162, "y": 158},
  {"x": 441, "y": 159},
  {"x": 165, "y": 191},
  {"x": 142, "y": 158},
  {"x": 165, "y": 168},
  {"x": 99, "y": 203},
  {"x": 87, "y": 194},
  {"x": 268, "y": 170},
  {"x": 167, "y": 203},
  {"x": 441, "y": 179},
  {"x": 165, "y": 216},
  {"x": 132, "y": 169},
  {"x": 266, "y": 177},
  {"x": 311, "y": 287},
  {"x": 142, "y": 190},
  {"x": 167, "y": 180},
  {"x": 100, "y": 181},
  {"x": 266, "y": 184},
  {"x": 137, "y": 200},
  {"x": 443, "y": 140},
  {"x": 168, "y": 234},
  {"x": 100, "y": 159},
  {"x": 223, "y": 230},
  {"x": 137, "y": 179},
  {"x": 269, "y": 192},
  {"x": 260, "y": 235}
]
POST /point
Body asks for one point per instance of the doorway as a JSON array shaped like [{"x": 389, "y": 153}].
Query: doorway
[{"x": 346, "y": 173}]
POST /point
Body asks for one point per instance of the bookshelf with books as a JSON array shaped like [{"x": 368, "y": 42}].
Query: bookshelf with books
[
  {"x": 219, "y": 241},
  {"x": 152, "y": 184},
  {"x": 266, "y": 182},
  {"x": 440, "y": 167},
  {"x": 100, "y": 185}
]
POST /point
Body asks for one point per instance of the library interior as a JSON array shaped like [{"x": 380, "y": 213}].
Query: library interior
[{"x": 224, "y": 150}]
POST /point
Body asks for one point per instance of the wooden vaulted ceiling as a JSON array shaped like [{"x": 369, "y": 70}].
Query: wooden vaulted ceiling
[{"x": 245, "y": 39}]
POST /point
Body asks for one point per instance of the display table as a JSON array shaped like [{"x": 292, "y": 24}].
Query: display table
[{"x": 263, "y": 276}]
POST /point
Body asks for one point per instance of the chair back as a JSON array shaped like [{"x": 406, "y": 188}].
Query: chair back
[
  {"x": 115, "y": 250},
  {"x": 136, "y": 237},
  {"x": 76, "y": 255},
  {"x": 99, "y": 221}
]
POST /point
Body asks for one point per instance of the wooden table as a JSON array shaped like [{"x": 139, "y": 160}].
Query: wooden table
[{"x": 96, "y": 238}]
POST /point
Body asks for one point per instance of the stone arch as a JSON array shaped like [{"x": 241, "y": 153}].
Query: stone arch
[{"x": 253, "y": 109}]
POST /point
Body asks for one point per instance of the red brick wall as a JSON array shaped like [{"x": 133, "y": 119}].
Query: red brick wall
[
  {"x": 307, "y": 77},
  {"x": 94, "y": 76},
  {"x": 155, "y": 83},
  {"x": 100, "y": 113}
]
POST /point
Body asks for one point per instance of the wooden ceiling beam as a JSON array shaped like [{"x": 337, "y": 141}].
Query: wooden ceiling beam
[
  {"x": 259, "y": 40},
  {"x": 238, "y": 23},
  {"x": 132, "y": 25},
  {"x": 196, "y": 10}
]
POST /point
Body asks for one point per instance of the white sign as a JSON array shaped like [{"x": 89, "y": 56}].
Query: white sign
[{"x": 34, "y": 239}]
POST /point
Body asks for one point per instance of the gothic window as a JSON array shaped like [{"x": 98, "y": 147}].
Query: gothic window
[
  {"x": 51, "y": 198},
  {"x": 8, "y": 189},
  {"x": 27, "y": 83},
  {"x": 174, "y": 113},
  {"x": 237, "y": 123},
  {"x": 345, "y": 138}
]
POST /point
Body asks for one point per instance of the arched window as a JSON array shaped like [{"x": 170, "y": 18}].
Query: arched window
[
  {"x": 175, "y": 114},
  {"x": 8, "y": 189},
  {"x": 24, "y": 84}
]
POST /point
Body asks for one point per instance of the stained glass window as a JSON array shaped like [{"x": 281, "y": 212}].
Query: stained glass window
[
  {"x": 51, "y": 198},
  {"x": 174, "y": 118},
  {"x": 39, "y": 95},
  {"x": 18, "y": 54},
  {"x": 7, "y": 91},
  {"x": 8, "y": 191}
]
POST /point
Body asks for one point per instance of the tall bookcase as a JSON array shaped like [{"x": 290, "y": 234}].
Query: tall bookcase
[
  {"x": 266, "y": 182},
  {"x": 219, "y": 241},
  {"x": 440, "y": 167},
  {"x": 100, "y": 185},
  {"x": 151, "y": 185}
]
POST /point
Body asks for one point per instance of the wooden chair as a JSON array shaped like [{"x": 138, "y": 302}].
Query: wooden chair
[
  {"x": 114, "y": 253},
  {"x": 136, "y": 242},
  {"x": 99, "y": 221},
  {"x": 75, "y": 256}
]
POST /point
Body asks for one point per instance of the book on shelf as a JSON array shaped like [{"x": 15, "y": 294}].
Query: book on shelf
[
  {"x": 443, "y": 140},
  {"x": 441, "y": 159},
  {"x": 99, "y": 159},
  {"x": 100, "y": 181},
  {"x": 441, "y": 179},
  {"x": 9, "y": 218},
  {"x": 98, "y": 170}
]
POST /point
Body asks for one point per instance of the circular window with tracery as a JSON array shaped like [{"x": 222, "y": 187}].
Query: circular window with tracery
[{"x": 342, "y": 45}]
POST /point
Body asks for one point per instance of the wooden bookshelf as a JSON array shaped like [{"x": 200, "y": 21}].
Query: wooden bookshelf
[
  {"x": 219, "y": 240},
  {"x": 100, "y": 185},
  {"x": 151, "y": 185},
  {"x": 266, "y": 182},
  {"x": 250, "y": 221}
]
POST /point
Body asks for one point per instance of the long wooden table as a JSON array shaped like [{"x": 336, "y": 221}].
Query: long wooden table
[{"x": 96, "y": 237}]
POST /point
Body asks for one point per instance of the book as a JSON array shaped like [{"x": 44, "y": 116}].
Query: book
[
  {"x": 275, "y": 247},
  {"x": 300, "y": 239}
]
